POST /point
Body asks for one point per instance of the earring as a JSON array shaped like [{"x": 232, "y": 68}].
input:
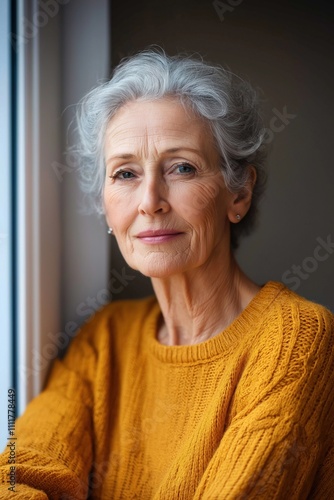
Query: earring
[
  {"x": 238, "y": 217},
  {"x": 110, "y": 230}
]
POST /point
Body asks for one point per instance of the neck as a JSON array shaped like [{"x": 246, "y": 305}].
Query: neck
[{"x": 199, "y": 304}]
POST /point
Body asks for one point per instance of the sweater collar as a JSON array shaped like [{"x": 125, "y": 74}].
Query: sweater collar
[{"x": 221, "y": 343}]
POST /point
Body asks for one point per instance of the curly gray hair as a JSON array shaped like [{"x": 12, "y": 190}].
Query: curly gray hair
[{"x": 228, "y": 104}]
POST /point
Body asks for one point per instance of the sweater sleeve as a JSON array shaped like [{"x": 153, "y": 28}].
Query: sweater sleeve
[
  {"x": 278, "y": 435},
  {"x": 54, "y": 436}
]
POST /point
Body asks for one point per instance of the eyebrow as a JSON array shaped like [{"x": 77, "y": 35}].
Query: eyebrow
[
  {"x": 129, "y": 156},
  {"x": 124, "y": 156}
]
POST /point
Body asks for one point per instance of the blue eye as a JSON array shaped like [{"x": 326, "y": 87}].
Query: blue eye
[
  {"x": 122, "y": 174},
  {"x": 185, "y": 168}
]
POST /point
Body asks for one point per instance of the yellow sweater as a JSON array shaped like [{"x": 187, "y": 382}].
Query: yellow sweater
[{"x": 247, "y": 414}]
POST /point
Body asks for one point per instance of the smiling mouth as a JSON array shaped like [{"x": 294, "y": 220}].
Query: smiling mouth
[{"x": 158, "y": 236}]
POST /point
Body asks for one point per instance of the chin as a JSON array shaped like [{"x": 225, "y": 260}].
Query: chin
[
  {"x": 154, "y": 272},
  {"x": 160, "y": 268}
]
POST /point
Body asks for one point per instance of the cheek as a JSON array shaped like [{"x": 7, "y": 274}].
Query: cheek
[
  {"x": 202, "y": 202},
  {"x": 117, "y": 208}
]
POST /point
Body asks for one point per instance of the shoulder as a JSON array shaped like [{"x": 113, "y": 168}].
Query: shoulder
[
  {"x": 126, "y": 312},
  {"x": 118, "y": 318},
  {"x": 111, "y": 331},
  {"x": 298, "y": 313},
  {"x": 279, "y": 306},
  {"x": 291, "y": 346},
  {"x": 292, "y": 327}
]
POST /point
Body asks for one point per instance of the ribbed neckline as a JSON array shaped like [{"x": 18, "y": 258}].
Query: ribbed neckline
[{"x": 221, "y": 342}]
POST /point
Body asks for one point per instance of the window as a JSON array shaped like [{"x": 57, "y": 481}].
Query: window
[
  {"x": 6, "y": 363},
  {"x": 47, "y": 64}
]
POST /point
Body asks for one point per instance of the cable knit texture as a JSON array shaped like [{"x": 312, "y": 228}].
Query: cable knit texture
[{"x": 247, "y": 414}]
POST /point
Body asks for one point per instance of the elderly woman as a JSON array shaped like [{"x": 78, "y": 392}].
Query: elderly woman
[{"x": 216, "y": 387}]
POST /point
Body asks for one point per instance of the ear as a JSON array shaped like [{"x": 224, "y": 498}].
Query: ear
[{"x": 241, "y": 201}]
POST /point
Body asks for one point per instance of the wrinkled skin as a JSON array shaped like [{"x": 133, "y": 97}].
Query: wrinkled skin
[{"x": 162, "y": 172}]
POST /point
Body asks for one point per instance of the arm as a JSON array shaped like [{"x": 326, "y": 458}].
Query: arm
[
  {"x": 276, "y": 439},
  {"x": 54, "y": 435}
]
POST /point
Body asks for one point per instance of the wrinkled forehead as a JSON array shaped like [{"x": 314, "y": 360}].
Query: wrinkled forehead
[{"x": 163, "y": 123}]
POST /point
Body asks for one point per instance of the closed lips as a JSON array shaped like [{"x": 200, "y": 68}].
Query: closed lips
[{"x": 161, "y": 232}]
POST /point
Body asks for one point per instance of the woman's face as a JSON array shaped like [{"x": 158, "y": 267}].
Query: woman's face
[{"x": 164, "y": 195}]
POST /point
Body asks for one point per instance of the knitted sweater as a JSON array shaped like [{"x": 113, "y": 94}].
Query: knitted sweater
[{"x": 247, "y": 414}]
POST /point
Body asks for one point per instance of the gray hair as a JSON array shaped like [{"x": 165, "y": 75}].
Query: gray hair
[{"x": 228, "y": 104}]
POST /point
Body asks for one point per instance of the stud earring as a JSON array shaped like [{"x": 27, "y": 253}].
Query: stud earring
[
  {"x": 238, "y": 217},
  {"x": 110, "y": 230}
]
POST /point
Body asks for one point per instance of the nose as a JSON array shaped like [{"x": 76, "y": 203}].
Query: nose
[{"x": 153, "y": 197}]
